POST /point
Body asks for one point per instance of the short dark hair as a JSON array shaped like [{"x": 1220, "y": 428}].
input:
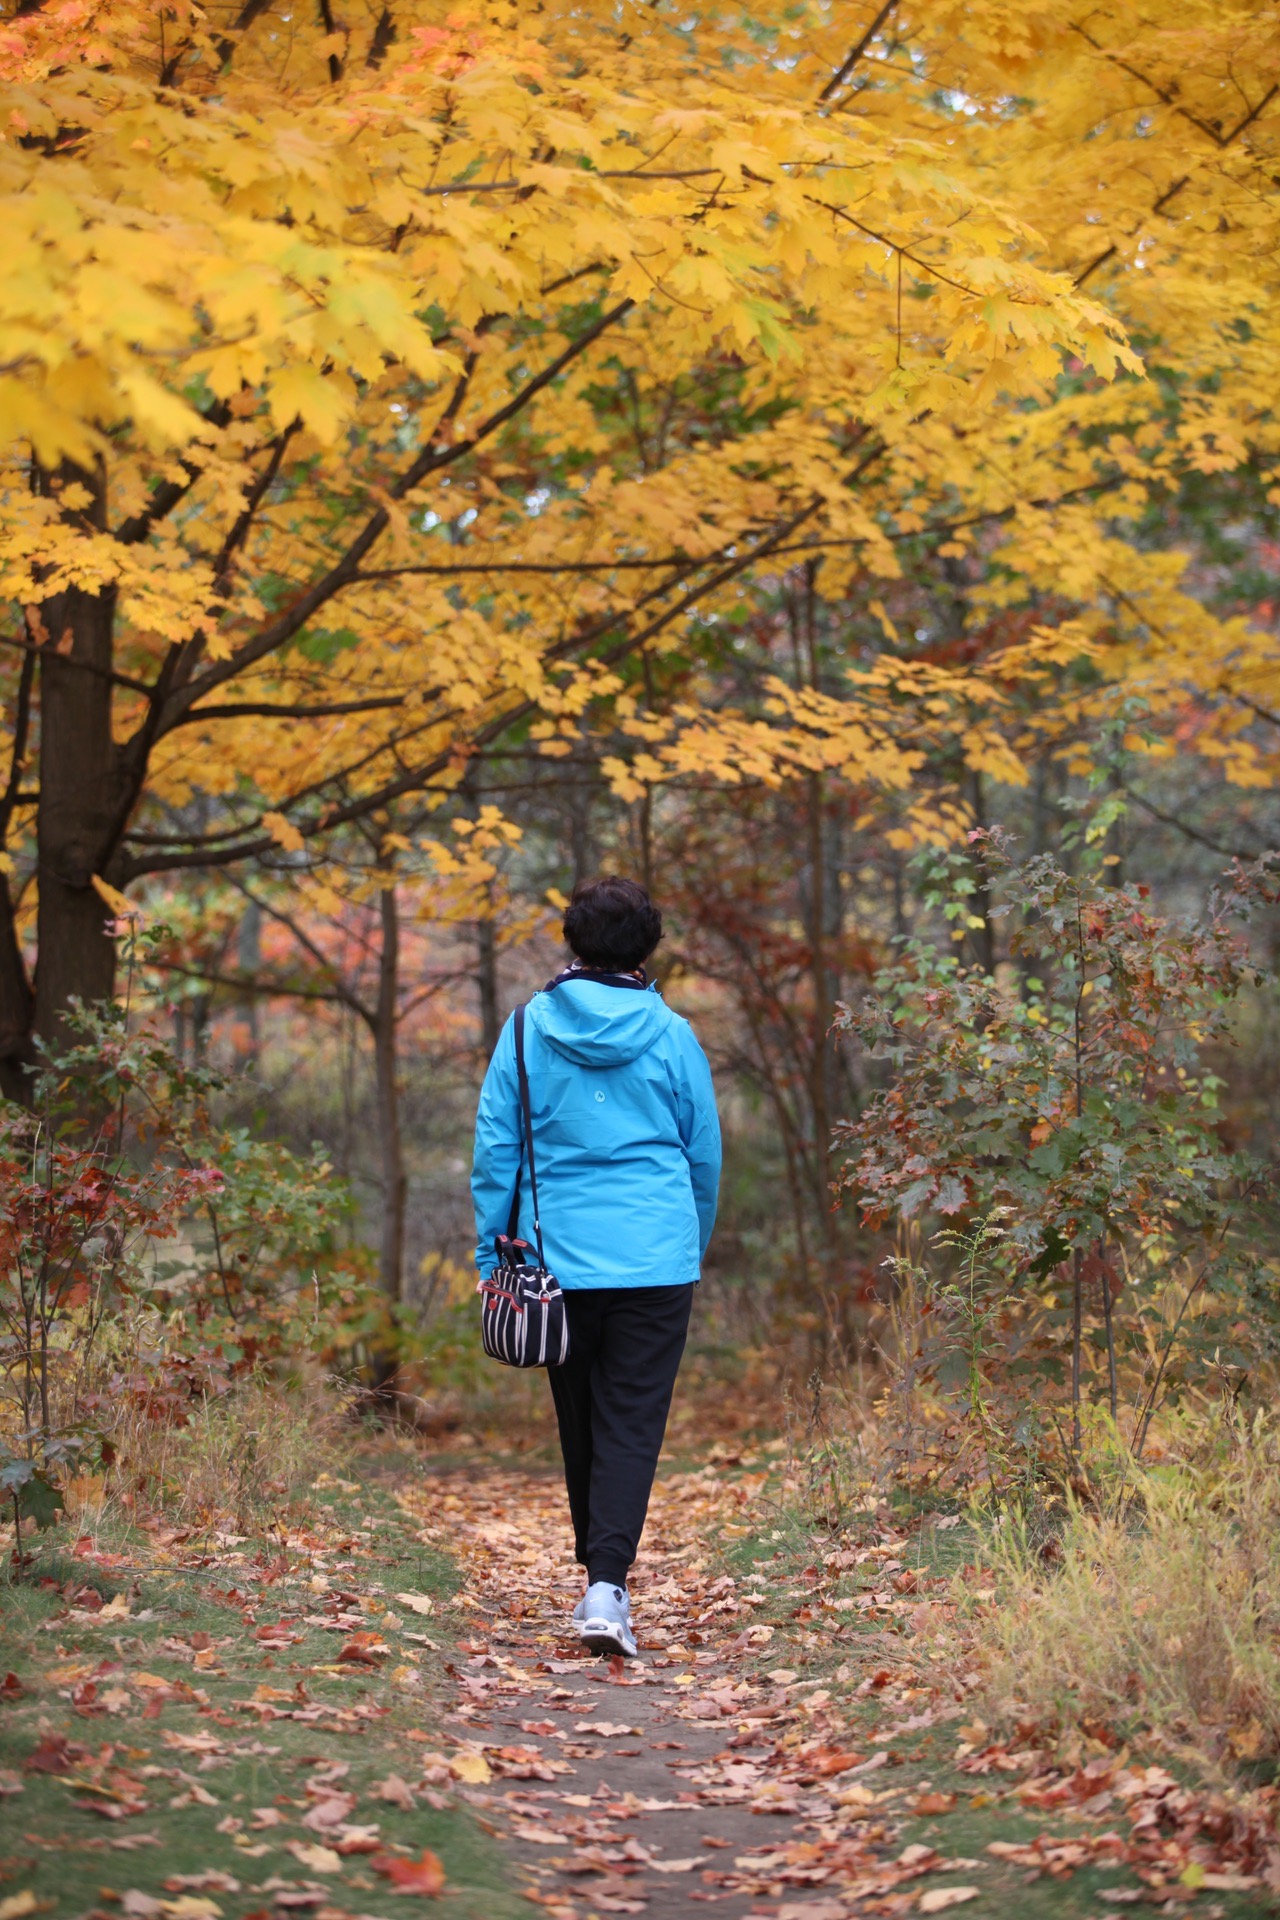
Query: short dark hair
[{"x": 612, "y": 924}]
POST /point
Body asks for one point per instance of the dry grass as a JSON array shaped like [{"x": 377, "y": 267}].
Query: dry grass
[
  {"x": 243, "y": 1457},
  {"x": 1162, "y": 1622}
]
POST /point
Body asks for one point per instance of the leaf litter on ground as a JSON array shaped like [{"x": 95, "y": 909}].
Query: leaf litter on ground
[
  {"x": 751, "y": 1760},
  {"x": 126, "y": 1718},
  {"x": 817, "y": 1760}
]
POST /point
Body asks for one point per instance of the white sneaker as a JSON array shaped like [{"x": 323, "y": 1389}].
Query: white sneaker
[{"x": 603, "y": 1620}]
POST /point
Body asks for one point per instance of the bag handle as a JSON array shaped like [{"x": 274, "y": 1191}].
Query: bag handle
[{"x": 526, "y": 1133}]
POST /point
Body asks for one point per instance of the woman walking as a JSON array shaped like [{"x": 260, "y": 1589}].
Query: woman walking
[{"x": 627, "y": 1148}]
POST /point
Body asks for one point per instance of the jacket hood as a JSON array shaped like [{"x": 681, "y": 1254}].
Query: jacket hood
[{"x": 599, "y": 1026}]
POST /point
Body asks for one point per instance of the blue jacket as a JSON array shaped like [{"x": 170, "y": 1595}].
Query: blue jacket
[{"x": 625, "y": 1132}]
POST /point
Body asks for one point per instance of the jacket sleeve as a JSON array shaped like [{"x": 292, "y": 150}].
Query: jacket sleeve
[
  {"x": 496, "y": 1167},
  {"x": 699, "y": 1125}
]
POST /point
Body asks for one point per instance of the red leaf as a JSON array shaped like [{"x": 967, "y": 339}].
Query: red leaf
[
  {"x": 364, "y": 1649},
  {"x": 55, "y": 1754}
]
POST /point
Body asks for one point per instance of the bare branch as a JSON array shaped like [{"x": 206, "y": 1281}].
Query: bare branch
[
  {"x": 17, "y": 758},
  {"x": 243, "y": 21},
  {"x": 383, "y": 36},
  {"x": 71, "y": 660},
  {"x": 326, "y": 21},
  {"x": 348, "y": 994},
  {"x": 264, "y": 710},
  {"x": 660, "y": 560},
  {"x": 250, "y": 985},
  {"x": 847, "y": 66},
  {"x": 170, "y": 492}
]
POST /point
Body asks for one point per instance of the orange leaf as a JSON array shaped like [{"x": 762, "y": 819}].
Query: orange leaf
[
  {"x": 831, "y": 1762},
  {"x": 425, "y": 1876},
  {"x": 934, "y": 1803}
]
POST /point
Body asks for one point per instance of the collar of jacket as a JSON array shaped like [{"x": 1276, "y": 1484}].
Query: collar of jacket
[{"x": 636, "y": 980}]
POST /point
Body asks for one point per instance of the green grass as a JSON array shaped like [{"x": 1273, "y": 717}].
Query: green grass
[{"x": 66, "y": 1854}]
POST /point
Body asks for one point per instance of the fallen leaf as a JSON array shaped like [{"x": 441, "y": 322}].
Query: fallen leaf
[
  {"x": 938, "y": 1899},
  {"x": 111, "y": 1809},
  {"x": 828, "y": 1762},
  {"x": 361, "y": 1839},
  {"x": 18, "y": 1904},
  {"x": 395, "y": 1791},
  {"x": 424, "y": 1875},
  {"x": 140, "y": 1906},
  {"x": 472, "y": 1768},
  {"x": 364, "y": 1649},
  {"x": 329, "y": 1811},
  {"x": 417, "y": 1602},
  {"x": 311, "y": 1854},
  {"x": 934, "y": 1803}
]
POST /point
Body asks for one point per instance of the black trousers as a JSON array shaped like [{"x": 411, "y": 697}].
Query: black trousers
[{"x": 612, "y": 1396}]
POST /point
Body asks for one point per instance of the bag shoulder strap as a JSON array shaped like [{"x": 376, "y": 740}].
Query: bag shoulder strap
[{"x": 526, "y": 1134}]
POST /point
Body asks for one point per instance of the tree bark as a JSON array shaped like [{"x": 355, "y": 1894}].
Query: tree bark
[
  {"x": 79, "y": 796},
  {"x": 983, "y": 937},
  {"x": 822, "y": 922},
  {"x": 17, "y": 1007},
  {"x": 390, "y": 1144},
  {"x": 487, "y": 981}
]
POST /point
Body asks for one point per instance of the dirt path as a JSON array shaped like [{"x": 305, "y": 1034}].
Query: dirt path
[{"x": 688, "y": 1778}]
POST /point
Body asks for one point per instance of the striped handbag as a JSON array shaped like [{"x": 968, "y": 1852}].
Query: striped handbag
[{"x": 522, "y": 1317}]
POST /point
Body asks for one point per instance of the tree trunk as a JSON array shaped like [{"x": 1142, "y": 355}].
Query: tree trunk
[
  {"x": 390, "y": 1146},
  {"x": 487, "y": 981},
  {"x": 79, "y": 804},
  {"x": 249, "y": 957},
  {"x": 822, "y": 921},
  {"x": 17, "y": 1007},
  {"x": 983, "y": 937}
]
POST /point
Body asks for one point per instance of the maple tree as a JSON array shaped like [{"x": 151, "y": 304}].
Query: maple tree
[{"x": 367, "y": 387}]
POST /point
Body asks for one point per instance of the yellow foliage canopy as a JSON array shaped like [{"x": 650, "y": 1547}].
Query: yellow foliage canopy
[{"x": 365, "y": 388}]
